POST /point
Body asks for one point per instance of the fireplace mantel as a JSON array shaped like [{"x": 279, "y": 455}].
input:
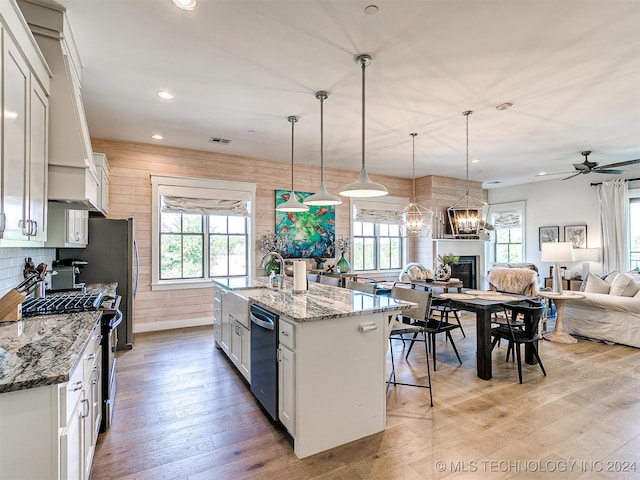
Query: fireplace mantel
[{"x": 471, "y": 248}]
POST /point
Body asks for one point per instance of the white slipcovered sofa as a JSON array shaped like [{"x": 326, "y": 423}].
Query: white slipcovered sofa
[{"x": 610, "y": 310}]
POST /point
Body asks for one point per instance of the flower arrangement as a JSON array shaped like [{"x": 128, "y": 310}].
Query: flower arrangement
[
  {"x": 273, "y": 243},
  {"x": 343, "y": 244}
]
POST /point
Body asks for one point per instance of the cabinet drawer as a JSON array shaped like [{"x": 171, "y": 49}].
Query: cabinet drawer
[{"x": 286, "y": 334}]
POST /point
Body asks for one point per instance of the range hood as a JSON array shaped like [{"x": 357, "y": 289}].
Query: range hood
[{"x": 73, "y": 178}]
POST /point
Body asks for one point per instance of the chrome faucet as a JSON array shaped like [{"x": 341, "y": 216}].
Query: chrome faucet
[{"x": 281, "y": 285}]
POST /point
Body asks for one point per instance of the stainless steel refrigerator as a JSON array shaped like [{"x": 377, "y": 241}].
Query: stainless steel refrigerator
[{"x": 112, "y": 256}]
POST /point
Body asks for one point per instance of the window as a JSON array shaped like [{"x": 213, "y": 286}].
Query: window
[
  {"x": 507, "y": 220},
  {"x": 634, "y": 230},
  {"x": 201, "y": 230},
  {"x": 377, "y": 240}
]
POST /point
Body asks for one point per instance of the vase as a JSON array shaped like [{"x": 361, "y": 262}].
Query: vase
[
  {"x": 273, "y": 265},
  {"x": 343, "y": 264},
  {"x": 443, "y": 273}
]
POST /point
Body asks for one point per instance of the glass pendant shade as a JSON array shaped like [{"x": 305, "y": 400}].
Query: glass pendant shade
[
  {"x": 292, "y": 204},
  {"x": 468, "y": 216},
  {"x": 363, "y": 187},
  {"x": 416, "y": 219},
  {"x": 322, "y": 196}
]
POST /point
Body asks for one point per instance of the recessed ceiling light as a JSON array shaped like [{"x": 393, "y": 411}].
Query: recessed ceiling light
[
  {"x": 371, "y": 9},
  {"x": 186, "y": 4},
  {"x": 165, "y": 94},
  {"x": 157, "y": 136},
  {"x": 475, "y": 160},
  {"x": 540, "y": 174},
  {"x": 504, "y": 106}
]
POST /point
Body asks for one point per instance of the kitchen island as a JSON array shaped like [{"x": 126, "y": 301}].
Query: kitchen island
[{"x": 331, "y": 354}]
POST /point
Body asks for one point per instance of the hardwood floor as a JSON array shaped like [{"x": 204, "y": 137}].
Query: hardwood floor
[{"x": 183, "y": 412}]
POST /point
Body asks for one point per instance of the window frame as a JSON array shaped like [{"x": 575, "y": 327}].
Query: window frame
[
  {"x": 190, "y": 183},
  {"x": 519, "y": 207},
  {"x": 395, "y": 204},
  {"x": 634, "y": 198}
]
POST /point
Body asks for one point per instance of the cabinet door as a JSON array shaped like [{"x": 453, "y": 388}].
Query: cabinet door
[
  {"x": 286, "y": 388},
  {"x": 245, "y": 353},
  {"x": 236, "y": 342},
  {"x": 71, "y": 446},
  {"x": 217, "y": 316},
  {"x": 104, "y": 191},
  {"x": 38, "y": 145},
  {"x": 225, "y": 324},
  {"x": 14, "y": 155}
]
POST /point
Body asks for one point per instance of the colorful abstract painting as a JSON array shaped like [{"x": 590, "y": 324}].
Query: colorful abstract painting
[{"x": 309, "y": 234}]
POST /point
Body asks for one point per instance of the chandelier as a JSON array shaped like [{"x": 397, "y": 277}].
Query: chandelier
[
  {"x": 416, "y": 219},
  {"x": 467, "y": 216}
]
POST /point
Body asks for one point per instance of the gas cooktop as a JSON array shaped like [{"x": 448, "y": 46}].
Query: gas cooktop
[{"x": 57, "y": 304}]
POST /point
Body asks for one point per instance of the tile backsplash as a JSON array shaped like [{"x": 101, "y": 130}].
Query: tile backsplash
[{"x": 12, "y": 262}]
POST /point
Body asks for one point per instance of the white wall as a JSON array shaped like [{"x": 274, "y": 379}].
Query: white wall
[{"x": 555, "y": 202}]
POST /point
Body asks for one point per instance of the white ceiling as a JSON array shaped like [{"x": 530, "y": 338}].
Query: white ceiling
[{"x": 239, "y": 68}]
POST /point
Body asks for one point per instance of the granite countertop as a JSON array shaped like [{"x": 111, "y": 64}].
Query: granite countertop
[
  {"x": 321, "y": 302},
  {"x": 44, "y": 350}
]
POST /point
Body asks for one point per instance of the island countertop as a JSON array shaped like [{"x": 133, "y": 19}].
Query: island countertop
[
  {"x": 44, "y": 350},
  {"x": 320, "y": 302}
]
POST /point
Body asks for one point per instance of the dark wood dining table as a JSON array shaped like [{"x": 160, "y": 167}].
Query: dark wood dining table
[{"x": 483, "y": 308}]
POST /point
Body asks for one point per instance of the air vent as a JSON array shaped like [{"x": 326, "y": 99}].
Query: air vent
[
  {"x": 494, "y": 182},
  {"x": 219, "y": 140}
]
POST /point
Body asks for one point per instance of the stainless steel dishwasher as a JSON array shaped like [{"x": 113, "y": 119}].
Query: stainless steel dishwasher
[{"x": 264, "y": 363}]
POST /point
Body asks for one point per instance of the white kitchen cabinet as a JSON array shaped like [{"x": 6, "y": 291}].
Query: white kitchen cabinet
[
  {"x": 23, "y": 136},
  {"x": 286, "y": 376},
  {"x": 217, "y": 316},
  {"x": 51, "y": 431},
  {"x": 104, "y": 172},
  {"x": 241, "y": 349},
  {"x": 225, "y": 323},
  {"x": 68, "y": 228}
]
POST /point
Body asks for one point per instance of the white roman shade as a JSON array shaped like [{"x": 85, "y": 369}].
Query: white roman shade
[
  {"x": 507, "y": 220},
  {"x": 380, "y": 210},
  {"x": 204, "y": 201}
]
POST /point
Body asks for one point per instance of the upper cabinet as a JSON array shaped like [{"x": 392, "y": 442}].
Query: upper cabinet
[
  {"x": 102, "y": 167},
  {"x": 72, "y": 176},
  {"x": 24, "y": 80}
]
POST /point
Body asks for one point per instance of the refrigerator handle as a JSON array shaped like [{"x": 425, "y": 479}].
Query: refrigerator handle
[{"x": 135, "y": 279}]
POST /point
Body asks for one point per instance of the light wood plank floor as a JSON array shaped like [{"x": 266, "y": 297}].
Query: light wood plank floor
[{"x": 183, "y": 412}]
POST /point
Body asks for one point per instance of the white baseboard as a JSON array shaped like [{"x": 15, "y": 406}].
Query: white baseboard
[{"x": 172, "y": 324}]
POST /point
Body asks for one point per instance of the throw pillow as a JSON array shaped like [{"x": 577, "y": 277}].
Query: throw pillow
[
  {"x": 595, "y": 284},
  {"x": 637, "y": 295},
  {"x": 610, "y": 277},
  {"x": 624, "y": 285}
]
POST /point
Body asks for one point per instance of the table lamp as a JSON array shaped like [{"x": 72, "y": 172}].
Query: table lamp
[
  {"x": 586, "y": 255},
  {"x": 557, "y": 252}
]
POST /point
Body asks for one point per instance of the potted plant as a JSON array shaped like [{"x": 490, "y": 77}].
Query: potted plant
[{"x": 443, "y": 271}]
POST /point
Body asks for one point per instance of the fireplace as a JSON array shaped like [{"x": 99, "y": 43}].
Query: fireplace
[
  {"x": 475, "y": 251},
  {"x": 465, "y": 270}
]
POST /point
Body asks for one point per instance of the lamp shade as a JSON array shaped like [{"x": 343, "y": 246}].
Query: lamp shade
[
  {"x": 587, "y": 254},
  {"x": 557, "y": 252}
]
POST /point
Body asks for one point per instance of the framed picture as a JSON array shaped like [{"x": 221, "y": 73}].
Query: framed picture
[
  {"x": 576, "y": 234},
  {"x": 308, "y": 234},
  {"x": 548, "y": 235}
]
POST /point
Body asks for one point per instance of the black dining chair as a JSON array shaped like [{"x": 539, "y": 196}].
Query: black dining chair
[{"x": 519, "y": 333}]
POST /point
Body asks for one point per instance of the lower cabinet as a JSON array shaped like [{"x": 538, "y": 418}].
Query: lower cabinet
[
  {"x": 51, "y": 431},
  {"x": 231, "y": 328}
]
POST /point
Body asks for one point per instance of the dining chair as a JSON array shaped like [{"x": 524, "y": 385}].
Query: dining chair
[
  {"x": 408, "y": 322},
  {"x": 333, "y": 281},
  {"x": 516, "y": 335},
  {"x": 361, "y": 286}
]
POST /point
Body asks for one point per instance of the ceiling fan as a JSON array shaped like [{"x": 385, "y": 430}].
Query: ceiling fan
[{"x": 595, "y": 167}]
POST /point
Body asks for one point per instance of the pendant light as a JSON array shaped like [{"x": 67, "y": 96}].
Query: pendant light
[
  {"x": 466, "y": 215},
  {"x": 416, "y": 219},
  {"x": 363, "y": 186},
  {"x": 292, "y": 204},
  {"x": 322, "y": 197}
]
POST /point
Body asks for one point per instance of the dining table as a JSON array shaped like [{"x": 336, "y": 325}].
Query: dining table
[{"x": 484, "y": 304}]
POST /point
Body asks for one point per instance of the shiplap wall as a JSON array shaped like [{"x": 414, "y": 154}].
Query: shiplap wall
[{"x": 130, "y": 195}]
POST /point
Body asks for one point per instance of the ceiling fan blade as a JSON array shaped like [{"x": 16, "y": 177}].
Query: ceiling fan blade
[
  {"x": 609, "y": 170},
  {"x": 574, "y": 175},
  {"x": 619, "y": 164}
]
